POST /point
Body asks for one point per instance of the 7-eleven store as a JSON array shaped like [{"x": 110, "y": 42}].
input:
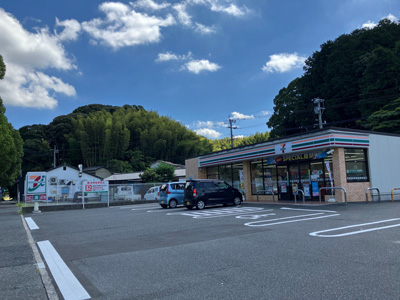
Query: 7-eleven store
[{"x": 334, "y": 157}]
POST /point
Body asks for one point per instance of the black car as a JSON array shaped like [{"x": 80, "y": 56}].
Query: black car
[{"x": 202, "y": 192}]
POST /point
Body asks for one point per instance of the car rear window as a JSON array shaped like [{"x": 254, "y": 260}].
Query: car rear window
[{"x": 163, "y": 187}]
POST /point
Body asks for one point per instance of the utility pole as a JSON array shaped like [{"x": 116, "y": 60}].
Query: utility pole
[
  {"x": 231, "y": 121},
  {"x": 319, "y": 110},
  {"x": 54, "y": 156}
]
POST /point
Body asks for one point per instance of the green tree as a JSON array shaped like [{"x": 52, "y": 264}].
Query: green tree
[
  {"x": 10, "y": 144},
  {"x": 150, "y": 175},
  {"x": 162, "y": 173},
  {"x": 357, "y": 74},
  {"x": 119, "y": 166}
]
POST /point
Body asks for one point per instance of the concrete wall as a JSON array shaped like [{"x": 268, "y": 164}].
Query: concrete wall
[{"x": 193, "y": 170}]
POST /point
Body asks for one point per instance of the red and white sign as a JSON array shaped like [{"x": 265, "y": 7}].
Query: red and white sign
[{"x": 96, "y": 187}]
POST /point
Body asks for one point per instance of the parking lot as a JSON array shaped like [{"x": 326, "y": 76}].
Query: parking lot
[{"x": 247, "y": 252}]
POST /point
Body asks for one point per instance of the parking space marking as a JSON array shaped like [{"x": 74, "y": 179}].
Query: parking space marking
[
  {"x": 225, "y": 212},
  {"x": 266, "y": 222},
  {"x": 69, "y": 286},
  {"x": 147, "y": 207},
  {"x": 31, "y": 224},
  {"x": 318, "y": 233},
  {"x": 302, "y": 209}
]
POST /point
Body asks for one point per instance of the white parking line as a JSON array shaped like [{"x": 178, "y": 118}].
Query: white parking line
[
  {"x": 301, "y": 209},
  {"x": 69, "y": 286},
  {"x": 146, "y": 207},
  {"x": 260, "y": 223},
  {"x": 32, "y": 225},
  {"x": 317, "y": 233},
  {"x": 226, "y": 212}
]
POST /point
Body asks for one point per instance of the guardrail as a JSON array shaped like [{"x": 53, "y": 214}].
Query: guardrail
[
  {"x": 391, "y": 192},
  {"x": 371, "y": 189},
  {"x": 272, "y": 193},
  {"x": 334, "y": 188},
  {"x": 295, "y": 198}
]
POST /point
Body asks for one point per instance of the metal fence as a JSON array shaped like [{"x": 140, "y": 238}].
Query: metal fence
[{"x": 132, "y": 192}]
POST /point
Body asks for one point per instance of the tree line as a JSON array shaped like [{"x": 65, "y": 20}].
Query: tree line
[{"x": 358, "y": 76}]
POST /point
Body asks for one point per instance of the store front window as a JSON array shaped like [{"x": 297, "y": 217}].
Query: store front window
[
  {"x": 232, "y": 174},
  {"x": 286, "y": 178},
  {"x": 356, "y": 165},
  {"x": 256, "y": 177},
  {"x": 212, "y": 173}
]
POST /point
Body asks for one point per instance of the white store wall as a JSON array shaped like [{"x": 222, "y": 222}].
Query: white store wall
[{"x": 384, "y": 162}]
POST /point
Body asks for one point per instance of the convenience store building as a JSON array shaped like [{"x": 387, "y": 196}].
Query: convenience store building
[{"x": 354, "y": 160}]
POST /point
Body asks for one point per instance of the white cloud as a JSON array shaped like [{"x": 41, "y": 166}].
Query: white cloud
[
  {"x": 27, "y": 55},
  {"x": 239, "y": 116},
  {"x": 209, "y": 124},
  {"x": 208, "y": 133},
  {"x": 71, "y": 30},
  {"x": 223, "y": 6},
  {"x": 283, "y": 62},
  {"x": 205, "y": 29},
  {"x": 370, "y": 24},
  {"x": 28, "y": 88},
  {"x": 231, "y": 9},
  {"x": 203, "y": 65},
  {"x": 391, "y": 17},
  {"x": 183, "y": 15},
  {"x": 166, "y": 57},
  {"x": 265, "y": 113},
  {"x": 150, "y": 4},
  {"x": 123, "y": 26}
]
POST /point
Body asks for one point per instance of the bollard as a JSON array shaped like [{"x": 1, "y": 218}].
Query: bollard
[{"x": 36, "y": 208}]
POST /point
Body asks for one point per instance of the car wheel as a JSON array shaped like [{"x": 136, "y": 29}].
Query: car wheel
[
  {"x": 200, "y": 204},
  {"x": 163, "y": 206},
  {"x": 172, "y": 203},
  {"x": 236, "y": 201},
  {"x": 189, "y": 207}
]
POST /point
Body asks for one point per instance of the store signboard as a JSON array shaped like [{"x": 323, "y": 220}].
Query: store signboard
[{"x": 35, "y": 189}]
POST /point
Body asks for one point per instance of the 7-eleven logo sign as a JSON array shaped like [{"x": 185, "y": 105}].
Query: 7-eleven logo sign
[{"x": 283, "y": 148}]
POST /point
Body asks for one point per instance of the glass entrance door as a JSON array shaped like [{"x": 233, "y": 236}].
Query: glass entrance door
[
  {"x": 283, "y": 182},
  {"x": 304, "y": 169}
]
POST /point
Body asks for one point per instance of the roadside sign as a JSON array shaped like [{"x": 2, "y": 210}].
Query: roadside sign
[
  {"x": 35, "y": 189},
  {"x": 96, "y": 187}
]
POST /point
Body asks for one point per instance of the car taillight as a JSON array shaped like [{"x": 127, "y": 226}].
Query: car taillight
[
  {"x": 168, "y": 192},
  {"x": 194, "y": 193}
]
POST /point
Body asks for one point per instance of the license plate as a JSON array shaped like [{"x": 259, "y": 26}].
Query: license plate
[
  {"x": 188, "y": 203},
  {"x": 162, "y": 201}
]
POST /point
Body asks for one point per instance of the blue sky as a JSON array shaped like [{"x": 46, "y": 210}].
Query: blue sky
[{"x": 199, "y": 62}]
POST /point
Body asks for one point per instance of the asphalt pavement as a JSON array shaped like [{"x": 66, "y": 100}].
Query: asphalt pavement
[
  {"x": 19, "y": 276},
  {"x": 253, "y": 251}
]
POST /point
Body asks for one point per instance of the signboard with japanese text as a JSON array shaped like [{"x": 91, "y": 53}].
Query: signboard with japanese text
[{"x": 96, "y": 187}]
